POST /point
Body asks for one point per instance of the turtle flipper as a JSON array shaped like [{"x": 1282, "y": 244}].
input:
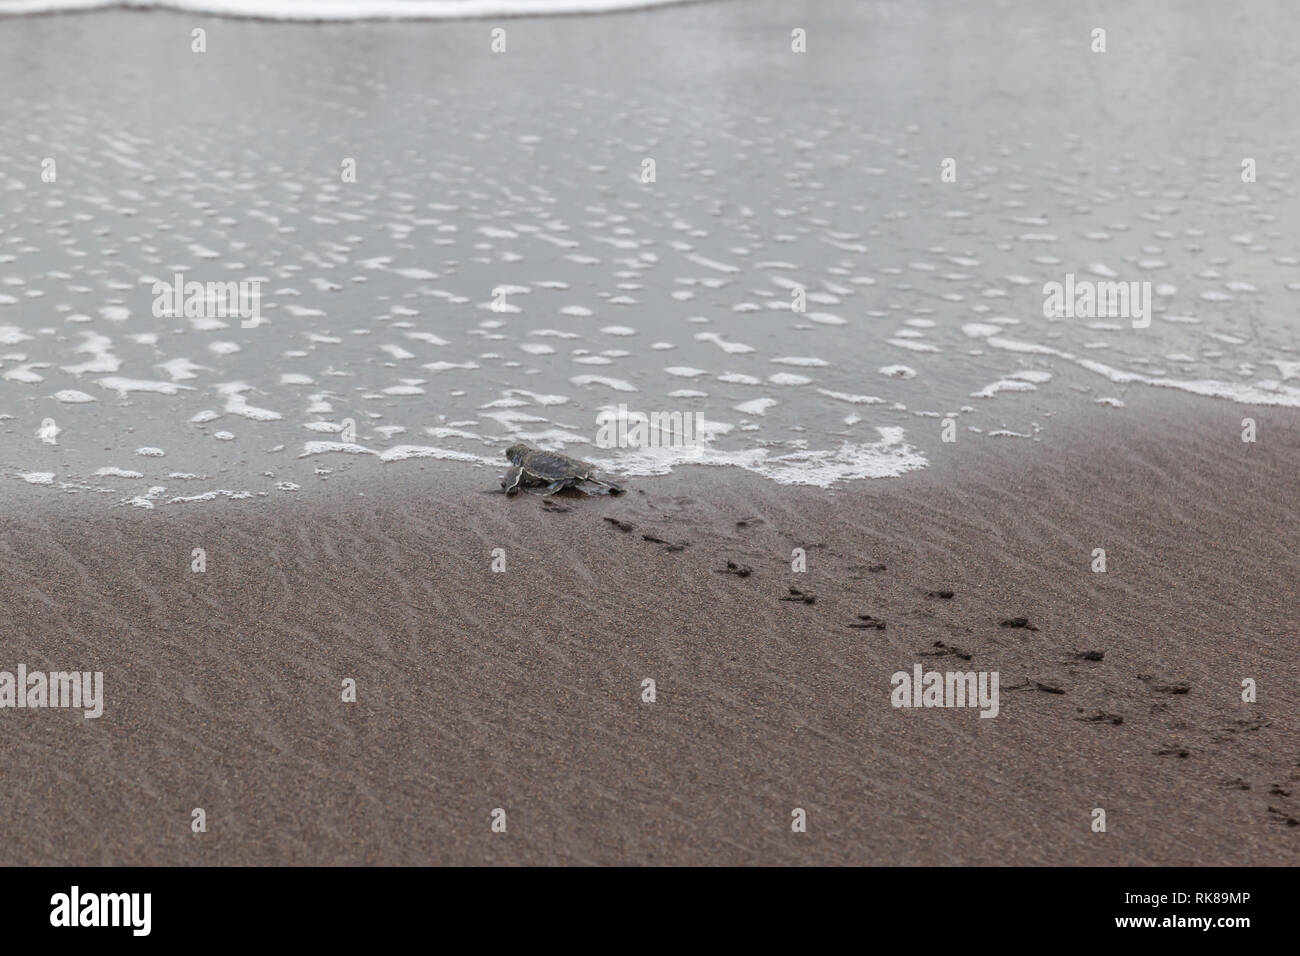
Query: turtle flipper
[
  {"x": 510, "y": 483},
  {"x": 555, "y": 486},
  {"x": 602, "y": 487}
]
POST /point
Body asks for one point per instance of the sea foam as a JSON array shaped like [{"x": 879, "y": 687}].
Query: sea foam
[{"x": 344, "y": 10}]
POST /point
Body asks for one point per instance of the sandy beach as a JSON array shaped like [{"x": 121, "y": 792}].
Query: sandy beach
[{"x": 522, "y": 689}]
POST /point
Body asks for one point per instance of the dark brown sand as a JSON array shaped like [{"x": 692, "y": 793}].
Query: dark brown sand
[{"x": 522, "y": 690}]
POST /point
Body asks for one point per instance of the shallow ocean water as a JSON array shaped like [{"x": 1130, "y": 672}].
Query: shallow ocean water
[{"x": 500, "y": 270}]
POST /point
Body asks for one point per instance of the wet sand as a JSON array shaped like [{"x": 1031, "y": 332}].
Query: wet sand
[{"x": 521, "y": 690}]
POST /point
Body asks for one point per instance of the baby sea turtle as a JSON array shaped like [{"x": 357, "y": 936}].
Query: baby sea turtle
[{"x": 531, "y": 468}]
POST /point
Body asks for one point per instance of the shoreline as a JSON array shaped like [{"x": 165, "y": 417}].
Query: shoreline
[{"x": 522, "y": 690}]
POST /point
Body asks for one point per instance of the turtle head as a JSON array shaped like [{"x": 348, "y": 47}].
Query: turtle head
[{"x": 515, "y": 453}]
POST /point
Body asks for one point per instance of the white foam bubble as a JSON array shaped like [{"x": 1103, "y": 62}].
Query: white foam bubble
[
  {"x": 757, "y": 406},
  {"x": 731, "y": 348},
  {"x": 800, "y": 361},
  {"x": 912, "y": 345},
  {"x": 788, "y": 378},
  {"x": 617, "y": 384},
  {"x": 124, "y": 386},
  {"x": 850, "y": 398}
]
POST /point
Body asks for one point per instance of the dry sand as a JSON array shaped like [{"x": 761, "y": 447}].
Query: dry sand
[{"x": 522, "y": 690}]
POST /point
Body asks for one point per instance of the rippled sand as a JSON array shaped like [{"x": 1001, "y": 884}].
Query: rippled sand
[{"x": 522, "y": 690}]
